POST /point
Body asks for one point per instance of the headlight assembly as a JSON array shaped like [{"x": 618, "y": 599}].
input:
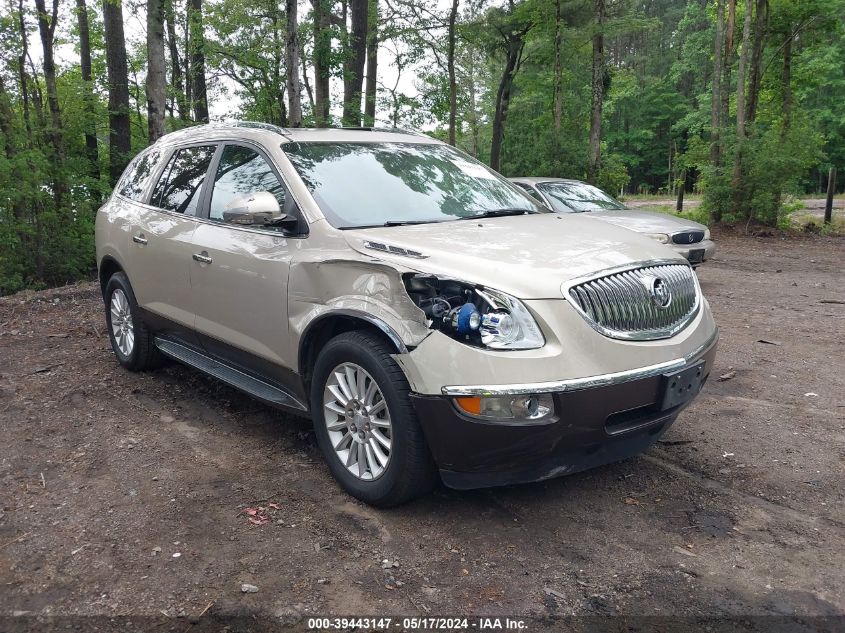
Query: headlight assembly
[
  {"x": 663, "y": 238},
  {"x": 508, "y": 324},
  {"x": 706, "y": 234},
  {"x": 475, "y": 315}
]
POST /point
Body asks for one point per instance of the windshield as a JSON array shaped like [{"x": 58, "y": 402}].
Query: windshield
[
  {"x": 569, "y": 197},
  {"x": 372, "y": 184}
]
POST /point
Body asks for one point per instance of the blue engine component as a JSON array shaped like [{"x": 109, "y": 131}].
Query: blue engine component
[{"x": 467, "y": 319}]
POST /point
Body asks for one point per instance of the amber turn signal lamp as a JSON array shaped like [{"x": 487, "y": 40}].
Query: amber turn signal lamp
[{"x": 469, "y": 404}]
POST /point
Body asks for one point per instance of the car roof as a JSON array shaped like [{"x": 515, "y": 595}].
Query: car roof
[
  {"x": 536, "y": 180},
  {"x": 273, "y": 133}
]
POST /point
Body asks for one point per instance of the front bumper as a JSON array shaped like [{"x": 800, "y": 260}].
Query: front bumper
[
  {"x": 696, "y": 253},
  {"x": 598, "y": 420}
]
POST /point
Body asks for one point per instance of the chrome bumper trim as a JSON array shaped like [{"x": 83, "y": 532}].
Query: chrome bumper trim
[{"x": 590, "y": 382}]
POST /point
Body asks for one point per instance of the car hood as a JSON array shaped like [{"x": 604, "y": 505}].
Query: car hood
[
  {"x": 527, "y": 256},
  {"x": 646, "y": 221}
]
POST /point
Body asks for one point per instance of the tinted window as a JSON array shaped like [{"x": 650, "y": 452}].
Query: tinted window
[
  {"x": 368, "y": 184},
  {"x": 180, "y": 186},
  {"x": 242, "y": 171},
  {"x": 567, "y": 197},
  {"x": 137, "y": 176}
]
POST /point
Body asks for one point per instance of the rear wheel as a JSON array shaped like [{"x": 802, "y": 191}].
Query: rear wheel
[
  {"x": 365, "y": 423},
  {"x": 130, "y": 338}
]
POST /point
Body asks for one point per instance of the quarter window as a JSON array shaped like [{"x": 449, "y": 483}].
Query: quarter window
[
  {"x": 180, "y": 186},
  {"x": 242, "y": 171},
  {"x": 137, "y": 176}
]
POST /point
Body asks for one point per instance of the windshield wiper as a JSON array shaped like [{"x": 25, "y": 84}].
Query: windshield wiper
[
  {"x": 407, "y": 222},
  {"x": 496, "y": 213}
]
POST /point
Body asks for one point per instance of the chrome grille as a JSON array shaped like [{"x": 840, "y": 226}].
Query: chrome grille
[
  {"x": 692, "y": 236},
  {"x": 627, "y": 304}
]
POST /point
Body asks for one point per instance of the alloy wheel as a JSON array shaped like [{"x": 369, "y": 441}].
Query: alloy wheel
[
  {"x": 121, "y": 322},
  {"x": 358, "y": 421}
]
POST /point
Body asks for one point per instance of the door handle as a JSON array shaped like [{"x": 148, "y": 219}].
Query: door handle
[
  {"x": 139, "y": 239},
  {"x": 202, "y": 258}
]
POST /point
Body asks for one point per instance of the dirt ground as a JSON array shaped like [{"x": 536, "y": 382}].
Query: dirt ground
[{"x": 124, "y": 494}]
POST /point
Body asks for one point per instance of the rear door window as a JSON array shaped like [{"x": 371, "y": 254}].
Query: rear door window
[
  {"x": 180, "y": 186},
  {"x": 134, "y": 182}
]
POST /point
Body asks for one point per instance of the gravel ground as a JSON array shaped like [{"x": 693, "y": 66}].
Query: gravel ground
[{"x": 133, "y": 494}]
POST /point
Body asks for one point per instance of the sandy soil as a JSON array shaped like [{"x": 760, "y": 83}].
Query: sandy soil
[{"x": 124, "y": 494}]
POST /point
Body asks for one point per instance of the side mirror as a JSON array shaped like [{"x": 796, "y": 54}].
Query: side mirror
[{"x": 259, "y": 208}]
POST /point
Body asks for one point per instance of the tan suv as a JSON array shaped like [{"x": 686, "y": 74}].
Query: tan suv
[{"x": 428, "y": 315}]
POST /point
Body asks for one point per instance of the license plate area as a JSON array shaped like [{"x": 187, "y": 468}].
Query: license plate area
[
  {"x": 682, "y": 386},
  {"x": 696, "y": 256}
]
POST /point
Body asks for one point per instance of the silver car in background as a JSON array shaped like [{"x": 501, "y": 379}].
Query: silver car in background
[{"x": 690, "y": 239}]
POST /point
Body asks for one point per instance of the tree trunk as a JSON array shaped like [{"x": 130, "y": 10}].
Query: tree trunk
[
  {"x": 292, "y": 64},
  {"x": 736, "y": 182},
  {"x": 472, "y": 116},
  {"x": 47, "y": 29},
  {"x": 727, "y": 62},
  {"x": 91, "y": 149},
  {"x": 196, "y": 45},
  {"x": 558, "y": 96},
  {"x": 597, "y": 93},
  {"x": 682, "y": 186},
  {"x": 175, "y": 62},
  {"x": 353, "y": 67},
  {"x": 189, "y": 97},
  {"x": 322, "y": 62},
  {"x": 786, "y": 78},
  {"x": 120, "y": 135},
  {"x": 716, "y": 102},
  {"x": 22, "y": 69},
  {"x": 156, "y": 81},
  {"x": 6, "y": 119},
  {"x": 306, "y": 83},
  {"x": 503, "y": 97},
  {"x": 755, "y": 73},
  {"x": 371, "y": 87},
  {"x": 278, "y": 53},
  {"x": 450, "y": 62},
  {"x": 741, "y": 70}
]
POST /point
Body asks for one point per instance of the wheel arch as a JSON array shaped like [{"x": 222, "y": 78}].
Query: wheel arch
[
  {"x": 108, "y": 267},
  {"x": 328, "y": 325}
]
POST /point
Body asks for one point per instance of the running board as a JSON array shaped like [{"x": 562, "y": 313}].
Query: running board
[{"x": 271, "y": 394}]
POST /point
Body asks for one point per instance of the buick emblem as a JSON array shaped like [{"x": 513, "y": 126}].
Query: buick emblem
[
  {"x": 691, "y": 238},
  {"x": 658, "y": 290}
]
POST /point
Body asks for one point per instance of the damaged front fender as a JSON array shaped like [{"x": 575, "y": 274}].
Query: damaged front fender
[{"x": 365, "y": 289}]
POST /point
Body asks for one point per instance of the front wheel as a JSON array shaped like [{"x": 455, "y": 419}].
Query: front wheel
[{"x": 365, "y": 423}]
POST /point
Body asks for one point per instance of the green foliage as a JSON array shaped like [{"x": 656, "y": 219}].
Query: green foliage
[
  {"x": 613, "y": 175},
  {"x": 774, "y": 161},
  {"x": 655, "y": 123}
]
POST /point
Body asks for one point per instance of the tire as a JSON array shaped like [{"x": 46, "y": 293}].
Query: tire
[
  {"x": 124, "y": 324},
  {"x": 409, "y": 471}
]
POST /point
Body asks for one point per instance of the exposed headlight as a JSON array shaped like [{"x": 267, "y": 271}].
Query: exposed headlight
[
  {"x": 527, "y": 407},
  {"x": 475, "y": 315},
  {"x": 660, "y": 237},
  {"x": 508, "y": 324},
  {"x": 706, "y": 234}
]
